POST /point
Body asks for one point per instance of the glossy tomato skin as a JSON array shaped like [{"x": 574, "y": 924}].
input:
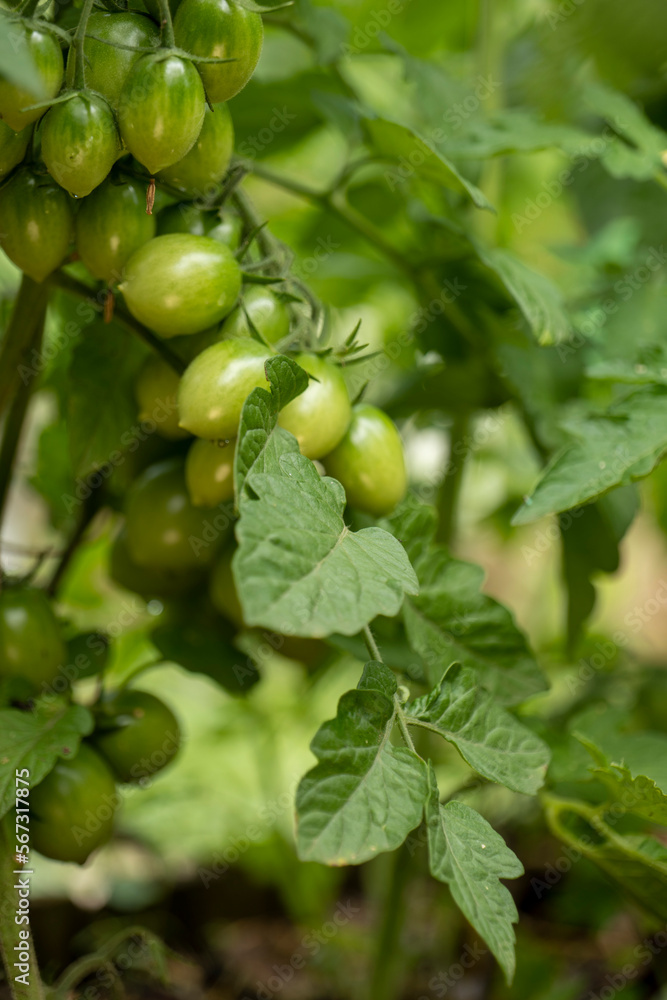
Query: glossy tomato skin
[
  {"x": 72, "y": 809},
  {"x": 31, "y": 645},
  {"x": 181, "y": 284},
  {"x": 164, "y": 530},
  {"x": 80, "y": 142},
  {"x": 13, "y": 146},
  {"x": 37, "y": 223},
  {"x": 149, "y": 582},
  {"x": 209, "y": 472},
  {"x": 48, "y": 58},
  {"x": 267, "y": 313},
  {"x": 319, "y": 417},
  {"x": 161, "y": 110},
  {"x": 215, "y": 386},
  {"x": 224, "y": 30},
  {"x": 156, "y": 392},
  {"x": 184, "y": 217},
  {"x": 107, "y": 68},
  {"x": 110, "y": 225},
  {"x": 200, "y": 171},
  {"x": 369, "y": 462},
  {"x": 136, "y": 734}
]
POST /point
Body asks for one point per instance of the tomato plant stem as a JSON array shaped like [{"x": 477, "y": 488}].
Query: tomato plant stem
[
  {"x": 17, "y": 342},
  {"x": 15, "y": 416},
  {"x": 121, "y": 316},
  {"x": 371, "y": 645},
  {"x": 78, "y": 44},
  {"x": 385, "y": 976},
  {"x": 450, "y": 488},
  {"x": 167, "y": 25},
  {"x": 10, "y": 940}
]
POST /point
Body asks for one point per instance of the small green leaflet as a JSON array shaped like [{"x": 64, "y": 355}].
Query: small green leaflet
[
  {"x": 490, "y": 739},
  {"x": 299, "y": 568},
  {"x": 634, "y": 772},
  {"x": 365, "y": 795},
  {"x": 16, "y": 62},
  {"x": 537, "y": 296},
  {"x": 450, "y": 619},
  {"x": 638, "y": 154},
  {"x": 468, "y": 854},
  {"x": 261, "y": 441},
  {"x": 36, "y": 740},
  {"x": 397, "y": 141},
  {"x": 611, "y": 450}
]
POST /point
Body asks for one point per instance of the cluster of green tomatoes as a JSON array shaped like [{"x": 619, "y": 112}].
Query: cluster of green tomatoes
[{"x": 128, "y": 112}]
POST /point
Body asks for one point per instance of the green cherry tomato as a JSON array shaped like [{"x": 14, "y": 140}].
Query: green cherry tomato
[
  {"x": 209, "y": 472},
  {"x": 369, "y": 462},
  {"x": 319, "y": 417},
  {"x": 222, "y": 588},
  {"x": 13, "y": 146},
  {"x": 215, "y": 386},
  {"x": 221, "y": 29},
  {"x": 80, "y": 142},
  {"x": 46, "y": 54},
  {"x": 201, "y": 170},
  {"x": 184, "y": 217},
  {"x": 87, "y": 655},
  {"x": 108, "y": 67},
  {"x": 161, "y": 110},
  {"x": 136, "y": 734},
  {"x": 37, "y": 223},
  {"x": 164, "y": 530},
  {"x": 156, "y": 392},
  {"x": 267, "y": 313},
  {"x": 110, "y": 225},
  {"x": 149, "y": 582},
  {"x": 180, "y": 284},
  {"x": 31, "y": 645},
  {"x": 72, "y": 809}
]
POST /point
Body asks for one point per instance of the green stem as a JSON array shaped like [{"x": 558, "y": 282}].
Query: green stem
[
  {"x": 450, "y": 488},
  {"x": 89, "y": 510},
  {"x": 385, "y": 976},
  {"x": 78, "y": 45},
  {"x": 121, "y": 316},
  {"x": 167, "y": 26},
  {"x": 13, "y": 426},
  {"x": 17, "y": 342},
  {"x": 10, "y": 940},
  {"x": 371, "y": 645}
]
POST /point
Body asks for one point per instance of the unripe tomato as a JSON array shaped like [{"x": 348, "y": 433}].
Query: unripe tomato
[
  {"x": 185, "y": 217},
  {"x": 369, "y": 462},
  {"x": 200, "y": 171},
  {"x": 80, "y": 142},
  {"x": 216, "y": 384},
  {"x": 31, "y": 645},
  {"x": 107, "y": 67},
  {"x": 267, "y": 313},
  {"x": 13, "y": 146},
  {"x": 225, "y": 30},
  {"x": 180, "y": 283},
  {"x": 72, "y": 809},
  {"x": 319, "y": 417},
  {"x": 164, "y": 530},
  {"x": 136, "y": 734},
  {"x": 110, "y": 225},
  {"x": 209, "y": 472},
  {"x": 149, "y": 582},
  {"x": 37, "y": 223},
  {"x": 156, "y": 392},
  {"x": 47, "y": 56},
  {"x": 222, "y": 588},
  {"x": 161, "y": 109}
]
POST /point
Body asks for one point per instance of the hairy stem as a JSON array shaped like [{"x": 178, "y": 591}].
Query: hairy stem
[
  {"x": 371, "y": 645},
  {"x": 11, "y": 942},
  {"x": 78, "y": 44},
  {"x": 167, "y": 25},
  {"x": 450, "y": 488}
]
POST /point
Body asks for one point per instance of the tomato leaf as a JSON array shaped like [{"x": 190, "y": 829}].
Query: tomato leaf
[
  {"x": 489, "y": 738},
  {"x": 468, "y": 854},
  {"x": 619, "y": 447},
  {"x": 35, "y": 740},
  {"x": 365, "y": 795},
  {"x": 300, "y": 568},
  {"x": 203, "y": 651}
]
